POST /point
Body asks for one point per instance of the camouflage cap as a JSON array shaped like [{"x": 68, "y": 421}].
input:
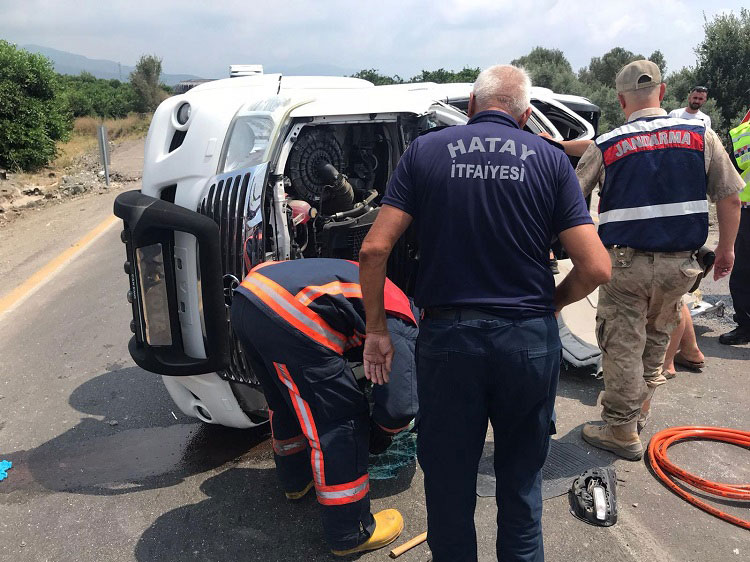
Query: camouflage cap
[{"x": 637, "y": 75}]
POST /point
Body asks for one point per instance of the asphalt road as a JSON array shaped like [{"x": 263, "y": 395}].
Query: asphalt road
[{"x": 105, "y": 468}]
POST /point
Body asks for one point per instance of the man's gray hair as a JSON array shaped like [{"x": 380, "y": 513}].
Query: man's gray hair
[{"x": 503, "y": 86}]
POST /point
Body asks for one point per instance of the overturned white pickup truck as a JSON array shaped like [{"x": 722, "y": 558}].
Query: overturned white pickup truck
[{"x": 269, "y": 167}]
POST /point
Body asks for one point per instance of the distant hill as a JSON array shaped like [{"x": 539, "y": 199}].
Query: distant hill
[{"x": 69, "y": 63}]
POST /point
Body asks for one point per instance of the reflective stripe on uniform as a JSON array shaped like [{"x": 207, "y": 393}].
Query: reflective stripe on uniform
[
  {"x": 261, "y": 265},
  {"x": 648, "y": 126},
  {"x": 292, "y": 311},
  {"x": 741, "y": 146},
  {"x": 355, "y": 340},
  {"x": 393, "y": 431},
  {"x": 348, "y": 290},
  {"x": 306, "y": 422},
  {"x": 654, "y": 211},
  {"x": 291, "y": 446},
  {"x": 340, "y": 494}
]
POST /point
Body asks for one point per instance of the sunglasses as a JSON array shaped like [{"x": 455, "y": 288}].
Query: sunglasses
[{"x": 701, "y": 89}]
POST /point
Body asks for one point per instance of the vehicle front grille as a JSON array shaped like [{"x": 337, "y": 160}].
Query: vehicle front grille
[{"x": 225, "y": 202}]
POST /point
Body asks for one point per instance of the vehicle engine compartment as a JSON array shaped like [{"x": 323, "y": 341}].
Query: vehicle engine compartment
[{"x": 333, "y": 180}]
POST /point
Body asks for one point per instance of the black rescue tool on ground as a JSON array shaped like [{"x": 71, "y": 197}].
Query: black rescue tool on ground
[{"x": 593, "y": 497}]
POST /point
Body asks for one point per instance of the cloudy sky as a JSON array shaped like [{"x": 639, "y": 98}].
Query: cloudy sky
[{"x": 395, "y": 36}]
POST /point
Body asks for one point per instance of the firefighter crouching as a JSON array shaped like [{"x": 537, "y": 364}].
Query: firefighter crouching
[{"x": 297, "y": 320}]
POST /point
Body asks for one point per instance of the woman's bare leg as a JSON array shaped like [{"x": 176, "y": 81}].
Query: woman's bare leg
[
  {"x": 675, "y": 341},
  {"x": 688, "y": 343}
]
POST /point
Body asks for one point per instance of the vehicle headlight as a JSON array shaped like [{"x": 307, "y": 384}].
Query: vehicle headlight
[
  {"x": 183, "y": 113},
  {"x": 153, "y": 286}
]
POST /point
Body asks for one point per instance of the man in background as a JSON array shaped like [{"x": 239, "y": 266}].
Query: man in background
[{"x": 697, "y": 97}]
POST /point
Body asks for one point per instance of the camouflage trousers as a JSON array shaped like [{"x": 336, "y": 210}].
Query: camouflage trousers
[{"x": 637, "y": 311}]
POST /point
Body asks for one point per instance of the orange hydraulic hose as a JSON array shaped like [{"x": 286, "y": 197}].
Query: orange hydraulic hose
[{"x": 663, "y": 467}]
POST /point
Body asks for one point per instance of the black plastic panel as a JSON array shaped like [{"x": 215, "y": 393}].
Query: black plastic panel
[{"x": 150, "y": 221}]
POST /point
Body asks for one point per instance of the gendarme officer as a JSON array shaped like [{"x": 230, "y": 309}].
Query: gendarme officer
[
  {"x": 486, "y": 199},
  {"x": 654, "y": 173}
]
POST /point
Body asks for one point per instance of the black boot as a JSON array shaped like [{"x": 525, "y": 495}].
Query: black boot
[{"x": 738, "y": 336}]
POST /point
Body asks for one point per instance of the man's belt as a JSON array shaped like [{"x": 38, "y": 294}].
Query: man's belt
[
  {"x": 681, "y": 254},
  {"x": 459, "y": 313}
]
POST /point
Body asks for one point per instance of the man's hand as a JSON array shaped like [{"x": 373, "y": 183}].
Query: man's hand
[
  {"x": 728, "y": 216},
  {"x": 377, "y": 355},
  {"x": 723, "y": 263}
]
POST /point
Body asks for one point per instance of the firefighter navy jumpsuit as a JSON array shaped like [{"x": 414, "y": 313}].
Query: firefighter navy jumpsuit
[
  {"x": 296, "y": 320},
  {"x": 486, "y": 199}
]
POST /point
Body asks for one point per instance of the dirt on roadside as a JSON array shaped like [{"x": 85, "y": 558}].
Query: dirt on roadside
[{"x": 21, "y": 192}]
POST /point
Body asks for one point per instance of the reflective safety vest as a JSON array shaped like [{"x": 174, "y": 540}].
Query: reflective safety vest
[
  {"x": 654, "y": 192},
  {"x": 741, "y": 149},
  {"x": 321, "y": 298}
]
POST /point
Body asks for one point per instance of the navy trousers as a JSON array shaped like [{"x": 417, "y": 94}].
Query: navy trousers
[
  {"x": 319, "y": 415},
  {"x": 739, "y": 281},
  {"x": 469, "y": 372}
]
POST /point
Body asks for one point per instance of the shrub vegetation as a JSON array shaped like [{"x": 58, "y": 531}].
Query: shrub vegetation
[{"x": 33, "y": 116}]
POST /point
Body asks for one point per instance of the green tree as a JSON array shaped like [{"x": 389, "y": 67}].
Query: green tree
[
  {"x": 602, "y": 70},
  {"x": 442, "y": 76},
  {"x": 32, "y": 117},
  {"x": 598, "y": 81},
  {"x": 657, "y": 57},
  {"x": 372, "y": 75},
  {"x": 87, "y": 95},
  {"x": 611, "y": 113},
  {"x": 549, "y": 68},
  {"x": 145, "y": 82},
  {"x": 723, "y": 63}
]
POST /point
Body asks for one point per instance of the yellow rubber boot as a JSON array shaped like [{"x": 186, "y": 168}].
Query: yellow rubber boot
[
  {"x": 621, "y": 440},
  {"x": 299, "y": 495},
  {"x": 388, "y": 526}
]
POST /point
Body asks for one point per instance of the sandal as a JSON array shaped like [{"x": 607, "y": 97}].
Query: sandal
[{"x": 696, "y": 366}]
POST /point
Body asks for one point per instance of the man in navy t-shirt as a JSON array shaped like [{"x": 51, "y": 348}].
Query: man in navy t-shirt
[{"x": 487, "y": 198}]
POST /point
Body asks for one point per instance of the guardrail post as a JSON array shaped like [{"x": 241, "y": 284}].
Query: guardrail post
[{"x": 104, "y": 151}]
